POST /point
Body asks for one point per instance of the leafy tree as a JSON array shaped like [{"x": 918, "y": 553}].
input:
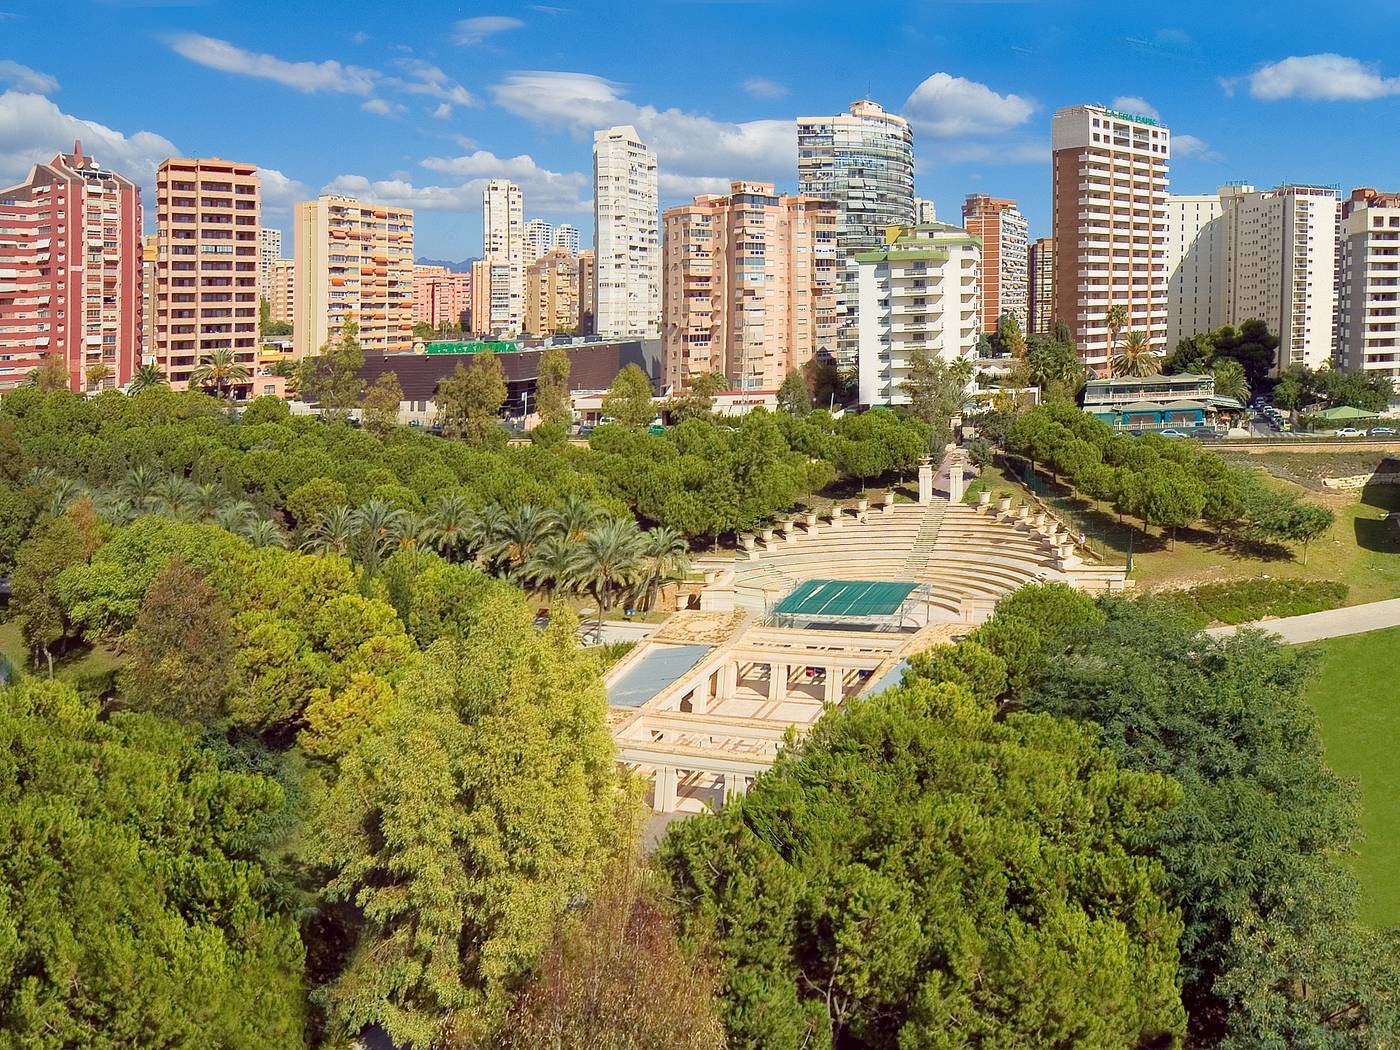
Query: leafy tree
[
  {"x": 935, "y": 391},
  {"x": 628, "y": 400},
  {"x": 1009, "y": 337},
  {"x": 220, "y": 371},
  {"x": 138, "y": 912},
  {"x": 95, "y": 375},
  {"x": 460, "y": 833},
  {"x": 50, "y": 375},
  {"x": 1136, "y": 357},
  {"x": 917, "y": 873},
  {"x": 44, "y": 621},
  {"x": 181, "y": 648},
  {"x": 698, "y": 400},
  {"x": 1054, "y": 365},
  {"x": 552, "y": 387},
  {"x": 332, "y": 378},
  {"x": 1194, "y": 355},
  {"x": 380, "y": 407},
  {"x": 615, "y": 978},
  {"x": 312, "y": 500},
  {"x": 422, "y": 332},
  {"x": 793, "y": 396},
  {"x": 469, "y": 401},
  {"x": 1253, "y": 346}
]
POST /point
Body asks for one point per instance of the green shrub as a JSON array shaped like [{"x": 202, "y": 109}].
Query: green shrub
[{"x": 1242, "y": 601}]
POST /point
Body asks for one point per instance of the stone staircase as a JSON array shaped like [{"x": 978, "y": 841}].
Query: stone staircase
[{"x": 925, "y": 541}]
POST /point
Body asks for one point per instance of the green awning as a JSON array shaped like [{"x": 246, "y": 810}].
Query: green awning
[
  {"x": 1345, "y": 412},
  {"x": 851, "y": 598}
]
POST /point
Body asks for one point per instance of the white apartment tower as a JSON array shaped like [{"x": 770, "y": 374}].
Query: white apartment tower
[
  {"x": 503, "y": 242},
  {"x": 918, "y": 292},
  {"x": 539, "y": 239},
  {"x": 1196, "y": 249},
  {"x": 1109, "y": 173},
  {"x": 626, "y": 237},
  {"x": 1368, "y": 328},
  {"x": 269, "y": 251},
  {"x": 566, "y": 237}
]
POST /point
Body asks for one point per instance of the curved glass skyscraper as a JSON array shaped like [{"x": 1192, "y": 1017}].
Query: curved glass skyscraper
[{"x": 864, "y": 161}]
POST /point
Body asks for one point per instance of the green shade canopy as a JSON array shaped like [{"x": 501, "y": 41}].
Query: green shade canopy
[
  {"x": 854, "y": 598},
  {"x": 1345, "y": 412}
]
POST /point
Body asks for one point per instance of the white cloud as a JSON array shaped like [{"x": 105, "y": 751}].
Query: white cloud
[
  {"x": 475, "y": 30},
  {"x": 465, "y": 197},
  {"x": 381, "y": 108},
  {"x": 685, "y": 143},
  {"x": 674, "y": 186},
  {"x": 443, "y": 111},
  {"x": 543, "y": 189},
  {"x": 762, "y": 87},
  {"x": 33, "y": 129},
  {"x": 279, "y": 192},
  {"x": 310, "y": 77},
  {"x": 945, "y": 106},
  {"x": 26, "y": 79},
  {"x": 359, "y": 38},
  {"x": 1134, "y": 104},
  {"x": 1327, "y": 77},
  {"x": 424, "y": 78},
  {"x": 1184, "y": 146}
]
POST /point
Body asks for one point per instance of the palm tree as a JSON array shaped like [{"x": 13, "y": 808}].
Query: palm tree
[
  {"x": 176, "y": 496},
  {"x": 608, "y": 562},
  {"x": 1115, "y": 319},
  {"x": 206, "y": 500},
  {"x": 517, "y": 539},
  {"x": 264, "y": 533},
  {"x": 138, "y": 488},
  {"x": 574, "y": 517},
  {"x": 1230, "y": 380},
  {"x": 485, "y": 527},
  {"x": 220, "y": 370},
  {"x": 412, "y": 531},
  {"x": 667, "y": 558},
  {"x": 333, "y": 534},
  {"x": 376, "y": 528},
  {"x": 147, "y": 377},
  {"x": 450, "y": 517},
  {"x": 234, "y": 516},
  {"x": 549, "y": 569},
  {"x": 65, "y": 492},
  {"x": 1137, "y": 358}
]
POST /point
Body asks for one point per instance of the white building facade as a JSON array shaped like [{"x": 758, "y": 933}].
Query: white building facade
[
  {"x": 1195, "y": 260},
  {"x": 919, "y": 292},
  {"x": 626, "y": 237},
  {"x": 269, "y": 252},
  {"x": 503, "y": 242},
  {"x": 1368, "y": 307},
  {"x": 566, "y": 237}
]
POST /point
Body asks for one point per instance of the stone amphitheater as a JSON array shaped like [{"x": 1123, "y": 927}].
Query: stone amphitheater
[{"x": 964, "y": 557}]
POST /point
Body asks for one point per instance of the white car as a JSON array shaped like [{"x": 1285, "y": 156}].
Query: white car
[{"x": 1350, "y": 432}]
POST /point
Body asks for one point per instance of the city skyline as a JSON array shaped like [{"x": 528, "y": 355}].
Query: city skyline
[{"x": 438, "y": 104}]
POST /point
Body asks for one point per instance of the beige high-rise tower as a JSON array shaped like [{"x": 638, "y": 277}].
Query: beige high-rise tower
[
  {"x": 749, "y": 285},
  {"x": 1002, "y": 285},
  {"x": 626, "y": 235},
  {"x": 207, "y": 260},
  {"x": 503, "y": 242},
  {"x": 353, "y": 258},
  {"x": 1109, "y": 173}
]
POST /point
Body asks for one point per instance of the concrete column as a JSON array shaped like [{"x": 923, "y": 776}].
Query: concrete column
[
  {"x": 925, "y": 482},
  {"x": 956, "y": 488},
  {"x": 777, "y": 682},
  {"x": 663, "y": 793},
  {"x": 700, "y": 701},
  {"x": 835, "y": 678},
  {"x": 728, "y": 679},
  {"x": 735, "y": 784}
]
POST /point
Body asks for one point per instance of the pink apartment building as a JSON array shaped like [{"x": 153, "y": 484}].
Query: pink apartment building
[
  {"x": 70, "y": 273},
  {"x": 441, "y": 298},
  {"x": 748, "y": 286}
]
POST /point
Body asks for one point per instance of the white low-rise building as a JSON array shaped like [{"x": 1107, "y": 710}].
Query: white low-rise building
[{"x": 918, "y": 291}]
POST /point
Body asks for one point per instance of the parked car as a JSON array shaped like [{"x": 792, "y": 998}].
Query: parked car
[
  {"x": 1172, "y": 434},
  {"x": 1350, "y": 432},
  {"x": 1382, "y": 431}
]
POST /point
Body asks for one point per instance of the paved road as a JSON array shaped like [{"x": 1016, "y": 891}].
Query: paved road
[
  {"x": 1330, "y": 624},
  {"x": 615, "y": 631}
]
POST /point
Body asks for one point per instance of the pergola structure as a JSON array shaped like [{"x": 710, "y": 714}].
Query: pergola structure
[{"x": 704, "y": 720}]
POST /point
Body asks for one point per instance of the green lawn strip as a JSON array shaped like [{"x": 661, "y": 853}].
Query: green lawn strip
[
  {"x": 1359, "y": 711},
  {"x": 83, "y": 662}
]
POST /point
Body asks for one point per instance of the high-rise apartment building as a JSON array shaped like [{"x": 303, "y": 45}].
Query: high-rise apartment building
[
  {"x": 70, "y": 272},
  {"x": 504, "y": 243},
  {"x": 626, "y": 236},
  {"x": 149, "y": 252},
  {"x": 925, "y": 214},
  {"x": 917, "y": 292},
  {"x": 551, "y": 293},
  {"x": 1002, "y": 282},
  {"x": 479, "y": 314},
  {"x": 1109, "y": 173},
  {"x": 539, "y": 238},
  {"x": 748, "y": 286},
  {"x": 864, "y": 161},
  {"x": 1041, "y": 267},
  {"x": 269, "y": 251},
  {"x": 566, "y": 237},
  {"x": 441, "y": 298},
  {"x": 281, "y": 297},
  {"x": 1368, "y": 328},
  {"x": 1281, "y": 266},
  {"x": 587, "y": 292},
  {"x": 1196, "y": 250},
  {"x": 355, "y": 259},
  {"x": 207, "y": 260}
]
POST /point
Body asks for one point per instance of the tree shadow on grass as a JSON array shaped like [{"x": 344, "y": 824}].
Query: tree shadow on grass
[{"x": 1379, "y": 534}]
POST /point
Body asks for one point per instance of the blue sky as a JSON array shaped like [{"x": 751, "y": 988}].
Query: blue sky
[{"x": 419, "y": 103}]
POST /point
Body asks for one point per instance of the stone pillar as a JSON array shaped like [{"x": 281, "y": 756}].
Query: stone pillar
[
  {"x": 889, "y": 502},
  {"x": 836, "y": 515},
  {"x": 925, "y": 481},
  {"x": 834, "y": 681},
  {"x": 700, "y": 701},
  {"x": 735, "y": 784},
  {"x": 777, "y": 682},
  {"x": 768, "y": 541},
  {"x": 811, "y": 522},
  {"x": 788, "y": 534},
  {"x": 663, "y": 792},
  {"x": 956, "y": 487},
  {"x": 728, "y": 680}
]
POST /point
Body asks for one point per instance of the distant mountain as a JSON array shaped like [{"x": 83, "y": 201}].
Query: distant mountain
[{"x": 464, "y": 266}]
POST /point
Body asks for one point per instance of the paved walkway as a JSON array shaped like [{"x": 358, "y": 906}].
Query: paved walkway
[{"x": 1333, "y": 623}]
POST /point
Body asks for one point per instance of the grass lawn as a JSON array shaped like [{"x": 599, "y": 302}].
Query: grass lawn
[
  {"x": 1360, "y": 716},
  {"x": 77, "y": 664},
  {"x": 1359, "y": 550}
]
